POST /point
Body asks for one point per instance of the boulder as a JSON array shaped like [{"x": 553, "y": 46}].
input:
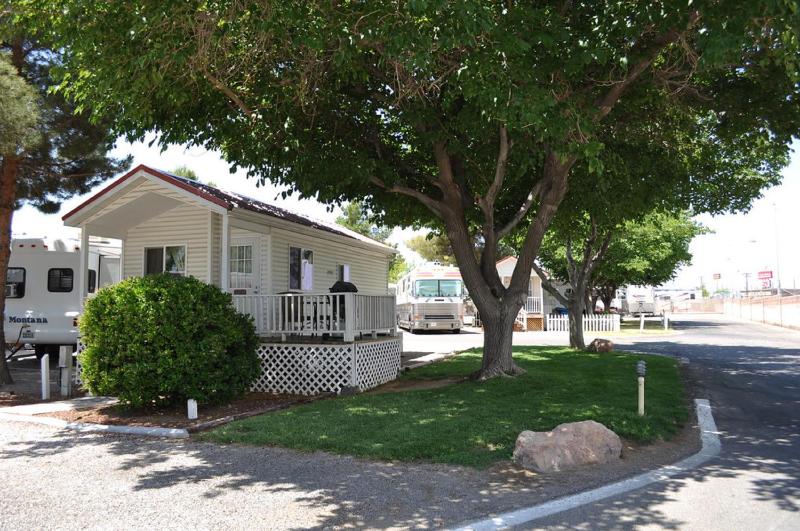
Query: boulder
[
  {"x": 567, "y": 446},
  {"x": 601, "y": 345}
]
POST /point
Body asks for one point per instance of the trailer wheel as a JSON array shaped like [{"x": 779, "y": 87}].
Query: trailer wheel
[{"x": 456, "y": 330}]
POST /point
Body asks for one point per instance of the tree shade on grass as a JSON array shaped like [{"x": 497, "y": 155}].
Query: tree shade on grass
[{"x": 477, "y": 424}]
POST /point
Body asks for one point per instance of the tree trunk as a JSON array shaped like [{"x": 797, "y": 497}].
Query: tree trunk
[
  {"x": 8, "y": 191},
  {"x": 576, "y": 308},
  {"x": 498, "y": 331}
]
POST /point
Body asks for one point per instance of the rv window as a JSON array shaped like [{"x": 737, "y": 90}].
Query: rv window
[
  {"x": 15, "y": 283},
  {"x": 59, "y": 280},
  {"x": 449, "y": 288},
  {"x": 438, "y": 288},
  {"x": 92, "y": 281}
]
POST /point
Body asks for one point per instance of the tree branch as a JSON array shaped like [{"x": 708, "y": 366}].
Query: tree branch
[
  {"x": 548, "y": 285},
  {"x": 432, "y": 204},
  {"x": 522, "y": 211}
]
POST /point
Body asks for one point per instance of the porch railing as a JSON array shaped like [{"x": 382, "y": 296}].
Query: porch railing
[
  {"x": 533, "y": 305},
  {"x": 335, "y": 314}
]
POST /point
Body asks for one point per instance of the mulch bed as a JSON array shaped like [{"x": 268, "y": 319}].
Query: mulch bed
[{"x": 175, "y": 417}]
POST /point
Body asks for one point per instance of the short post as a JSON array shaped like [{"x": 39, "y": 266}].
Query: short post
[
  {"x": 65, "y": 366},
  {"x": 191, "y": 409},
  {"x": 666, "y": 321},
  {"x": 45, "y": 365},
  {"x": 641, "y": 368},
  {"x": 641, "y": 321}
]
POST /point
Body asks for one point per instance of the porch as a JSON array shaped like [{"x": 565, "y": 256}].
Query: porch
[{"x": 340, "y": 316}]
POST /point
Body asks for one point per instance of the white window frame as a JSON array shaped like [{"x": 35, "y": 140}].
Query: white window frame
[{"x": 164, "y": 257}]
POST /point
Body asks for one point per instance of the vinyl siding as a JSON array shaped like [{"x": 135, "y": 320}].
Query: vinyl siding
[
  {"x": 368, "y": 270},
  {"x": 183, "y": 225}
]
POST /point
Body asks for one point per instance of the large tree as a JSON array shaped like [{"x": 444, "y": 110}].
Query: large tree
[
  {"x": 470, "y": 114},
  {"x": 65, "y": 155},
  {"x": 593, "y": 261}
]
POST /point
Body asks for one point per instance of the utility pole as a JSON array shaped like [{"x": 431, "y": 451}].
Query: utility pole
[{"x": 778, "y": 264}]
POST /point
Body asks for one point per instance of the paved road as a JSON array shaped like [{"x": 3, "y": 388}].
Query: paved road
[{"x": 751, "y": 374}]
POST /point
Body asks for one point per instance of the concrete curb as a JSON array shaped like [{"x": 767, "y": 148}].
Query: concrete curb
[
  {"x": 171, "y": 433},
  {"x": 709, "y": 437}
]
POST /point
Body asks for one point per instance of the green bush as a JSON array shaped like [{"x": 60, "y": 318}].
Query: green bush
[{"x": 163, "y": 339}]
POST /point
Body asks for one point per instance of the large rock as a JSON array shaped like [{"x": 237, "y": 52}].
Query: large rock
[
  {"x": 567, "y": 446},
  {"x": 601, "y": 345}
]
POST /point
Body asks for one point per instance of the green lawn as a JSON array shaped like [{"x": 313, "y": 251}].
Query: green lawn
[{"x": 474, "y": 423}]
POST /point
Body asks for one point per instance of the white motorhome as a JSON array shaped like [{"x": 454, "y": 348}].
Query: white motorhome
[
  {"x": 637, "y": 300},
  {"x": 431, "y": 297},
  {"x": 42, "y": 296}
]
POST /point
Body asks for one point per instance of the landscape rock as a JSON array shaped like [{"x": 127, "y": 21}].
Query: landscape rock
[
  {"x": 567, "y": 446},
  {"x": 601, "y": 345}
]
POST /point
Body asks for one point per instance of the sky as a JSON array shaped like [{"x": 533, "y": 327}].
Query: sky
[{"x": 763, "y": 239}]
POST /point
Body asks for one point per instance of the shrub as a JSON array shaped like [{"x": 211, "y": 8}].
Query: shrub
[{"x": 163, "y": 339}]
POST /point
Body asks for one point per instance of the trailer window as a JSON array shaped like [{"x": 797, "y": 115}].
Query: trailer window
[
  {"x": 15, "y": 283},
  {"x": 301, "y": 269},
  {"x": 59, "y": 280},
  {"x": 170, "y": 260},
  {"x": 449, "y": 288}
]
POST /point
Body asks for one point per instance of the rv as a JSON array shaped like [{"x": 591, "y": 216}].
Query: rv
[
  {"x": 42, "y": 292},
  {"x": 431, "y": 297},
  {"x": 637, "y": 300}
]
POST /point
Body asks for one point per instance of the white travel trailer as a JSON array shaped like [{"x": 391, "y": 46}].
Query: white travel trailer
[
  {"x": 431, "y": 297},
  {"x": 637, "y": 300},
  {"x": 42, "y": 297}
]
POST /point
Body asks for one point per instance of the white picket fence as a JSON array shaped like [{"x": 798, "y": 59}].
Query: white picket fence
[{"x": 591, "y": 323}]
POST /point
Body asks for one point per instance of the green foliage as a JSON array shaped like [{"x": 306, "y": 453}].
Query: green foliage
[
  {"x": 475, "y": 424},
  {"x": 648, "y": 252},
  {"x": 163, "y": 339},
  {"x": 432, "y": 247},
  {"x": 187, "y": 172},
  {"x": 19, "y": 115},
  {"x": 356, "y": 217}
]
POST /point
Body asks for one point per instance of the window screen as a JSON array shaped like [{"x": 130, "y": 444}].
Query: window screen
[
  {"x": 59, "y": 280},
  {"x": 15, "y": 283},
  {"x": 175, "y": 260}
]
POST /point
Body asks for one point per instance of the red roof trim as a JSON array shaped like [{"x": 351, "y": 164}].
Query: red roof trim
[{"x": 155, "y": 173}]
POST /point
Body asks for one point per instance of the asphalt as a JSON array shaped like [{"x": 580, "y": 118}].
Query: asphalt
[{"x": 751, "y": 374}]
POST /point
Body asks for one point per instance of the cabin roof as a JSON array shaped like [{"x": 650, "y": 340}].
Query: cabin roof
[{"x": 230, "y": 201}]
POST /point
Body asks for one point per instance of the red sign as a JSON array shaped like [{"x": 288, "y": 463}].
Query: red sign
[
  {"x": 763, "y": 275},
  {"x": 717, "y": 276}
]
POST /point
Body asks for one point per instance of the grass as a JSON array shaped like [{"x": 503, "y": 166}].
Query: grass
[{"x": 476, "y": 424}]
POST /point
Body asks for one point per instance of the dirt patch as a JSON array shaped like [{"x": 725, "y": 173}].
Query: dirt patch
[
  {"x": 396, "y": 386},
  {"x": 175, "y": 417}
]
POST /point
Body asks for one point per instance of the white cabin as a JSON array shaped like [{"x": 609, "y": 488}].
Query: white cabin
[{"x": 279, "y": 266}]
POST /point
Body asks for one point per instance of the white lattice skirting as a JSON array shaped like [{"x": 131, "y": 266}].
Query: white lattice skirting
[{"x": 310, "y": 369}]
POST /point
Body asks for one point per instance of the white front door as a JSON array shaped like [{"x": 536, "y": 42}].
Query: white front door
[{"x": 245, "y": 272}]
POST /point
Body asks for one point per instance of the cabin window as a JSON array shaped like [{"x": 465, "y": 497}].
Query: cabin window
[
  {"x": 343, "y": 273},
  {"x": 92, "y": 281},
  {"x": 241, "y": 266},
  {"x": 170, "y": 259},
  {"x": 15, "y": 283},
  {"x": 59, "y": 280},
  {"x": 301, "y": 269}
]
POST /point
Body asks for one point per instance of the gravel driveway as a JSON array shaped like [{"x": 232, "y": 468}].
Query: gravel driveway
[{"x": 65, "y": 480}]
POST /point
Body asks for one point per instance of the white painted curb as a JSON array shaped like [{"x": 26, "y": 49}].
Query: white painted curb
[
  {"x": 173, "y": 433},
  {"x": 709, "y": 437}
]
